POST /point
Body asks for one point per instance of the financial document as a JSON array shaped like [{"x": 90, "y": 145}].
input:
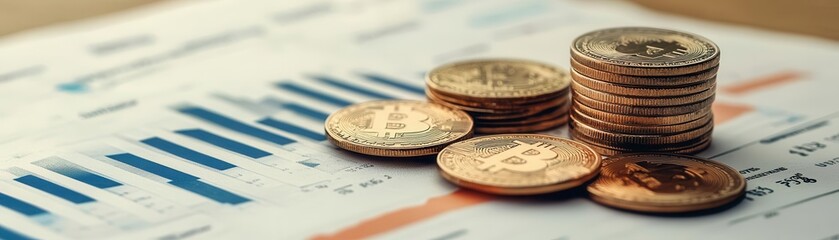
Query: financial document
[{"x": 204, "y": 120}]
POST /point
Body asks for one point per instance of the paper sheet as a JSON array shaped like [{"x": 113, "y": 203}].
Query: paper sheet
[{"x": 204, "y": 120}]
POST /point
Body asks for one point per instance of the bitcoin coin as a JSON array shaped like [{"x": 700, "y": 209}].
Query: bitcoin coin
[
  {"x": 500, "y": 107},
  {"x": 518, "y": 164},
  {"x": 397, "y": 128},
  {"x": 663, "y": 81},
  {"x": 641, "y": 51},
  {"x": 639, "y": 129},
  {"x": 497, "y": 79},
  {"x": 639, "y": 120},
  {"x": 630, "y": 90},
  {"x": 655, "y": 182},
  {"x": 643, "y": 110},
  {"x": 546, "y": 115},
  {"x": 602, "y": 149},
  {"x": 642, "y": 101},
  {"x": 523, "y": 128},
  {"x": 640, "y": 139}
]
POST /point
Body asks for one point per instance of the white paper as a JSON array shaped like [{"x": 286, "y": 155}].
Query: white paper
[{"x": 135, "y": 99}]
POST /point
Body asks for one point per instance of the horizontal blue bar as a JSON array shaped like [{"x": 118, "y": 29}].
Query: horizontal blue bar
[
  {"x": 209, "y": 191},
  {"x": 20, "y": 206},
  {"x": 152, "y": 167},
  {"x": 54, "y": 189},
  {"x": 77, "y": 172},
  {"x": 8, "y": 234},
  {"x": 235, "y": 125},
  {"x": 306, "y": 111},
  {"x": 288, "y": 127},
  {"x": 314, "y": 94},
  {"x": 223, "y": 142},
  {"x": 187, "y": 153},
  {"x": 394, "y": 83},
  {"x": 349, "y": 87}
]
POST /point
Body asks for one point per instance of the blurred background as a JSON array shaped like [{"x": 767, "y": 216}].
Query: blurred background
[{"x": 811, "y": 17}]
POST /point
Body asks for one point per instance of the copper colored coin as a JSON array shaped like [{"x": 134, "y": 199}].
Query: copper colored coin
[
  {"x": 643, "y": 110},
  {"x": 397, "y": 128},
  {"x": 505, "y": 105},
  {"x": 546, "y": 115},
  {"x": 665, "y": 81},
  {"x": 639, "y": 129},
  {"x": 641, "y": 91},
  {"x": 656, "y": 182},
  {"x": 609, "y": 151},
  {"x": 642, "y": 101},
  {"x": 639, "y": 120},
  {"x": 518, "y": 164},
  {"x": 668, "y": 138},
  {"x": 526, "y": 128},
  {"x": 640, "y": 51},
  {"x": 491, "y": 79}
]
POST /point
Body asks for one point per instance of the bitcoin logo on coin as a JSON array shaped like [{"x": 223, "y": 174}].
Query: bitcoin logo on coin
[
  {"x": 657, "y": 182},
  {"x": 397, "y": 128},
  {"x": 525, "y": 157},
  {"x": 392, "y": 122},
  {"x": 518, "y": 164}
]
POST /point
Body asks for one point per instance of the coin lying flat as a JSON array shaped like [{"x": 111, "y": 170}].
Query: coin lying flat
[
  {"x": 639, "y": 129},
  {"x": 668, "y": 81},
  {"x": 644, "y": 110},
  {"x": 518, "y": 164},
  {"x": 643, "y": 101},
  {"x": 665, "y": 183},
  {"x": 640, "y": 51},
  {"x": 498, "y": 79},
  {"x": 642, "y": 91},
  {"x": 397, "y": 128}
]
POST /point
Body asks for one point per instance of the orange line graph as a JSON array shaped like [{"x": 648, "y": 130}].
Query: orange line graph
[
  {"x": 724, "y": 112},
  {"x": 390, "y": 221},
  {"x": 763, "y": 82}
]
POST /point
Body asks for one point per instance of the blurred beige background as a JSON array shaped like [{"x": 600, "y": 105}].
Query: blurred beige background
[{"x": 812, "y": 17}]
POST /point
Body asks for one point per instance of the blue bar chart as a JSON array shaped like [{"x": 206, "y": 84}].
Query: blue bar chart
[
  {"x": 8, "y": 234},
  {"x": 55, "y": 189},
  {"x": 20, "y": 206},
  {"x": 293, "y": 129},
  {"x": 350, "y": 87},
  {"x": 181, "y": 180},
  {"x": 78, "y": 173},
  {"x": 235, "y": 125},
  {"x": 331, "y": 99},
  {"x": 225, "y": 143},
  {"x": 188, "y": 154},
  {"x": 377, "y": 78}
]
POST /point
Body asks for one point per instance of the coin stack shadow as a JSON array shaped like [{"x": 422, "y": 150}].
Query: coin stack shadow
[
  {"x": 618, "y": 113},
  {"x": 497, "y": 111}
]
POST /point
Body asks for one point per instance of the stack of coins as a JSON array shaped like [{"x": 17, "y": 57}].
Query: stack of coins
[
  {"x": 643, "y": 90},
  {"x": 397, "y": 128},
  {"x": 503, "y": 96}
]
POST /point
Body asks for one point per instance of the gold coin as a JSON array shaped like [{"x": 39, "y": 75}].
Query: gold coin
[
  {"x": 668, "y": 81},
  {"x": 642, "y": 101},
  {"x": 524, "y": 128},
  {"x": 644, "y": 111},
  {"x": 639, "y": 120},
  {"x": 670, "y": 138},
  {"x": 638, "y": 91},
  {"x": 639, "y": 129},
  {"x": 610, "y": 150},
  {"x": 639, "y": 51},
  {"x": 435, "y": 99},
  {"x": 655, "y": 182},
  {"x": 561, "y": 98},
  {"x": 518, "y": 164},
  {"x": 498, "y": 79},
  {"x": 546, "y": 115},
  {"x": 397, "y": 128}
]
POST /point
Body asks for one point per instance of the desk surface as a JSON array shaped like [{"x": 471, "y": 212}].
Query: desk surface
[{"x": 813, "y": 17}]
